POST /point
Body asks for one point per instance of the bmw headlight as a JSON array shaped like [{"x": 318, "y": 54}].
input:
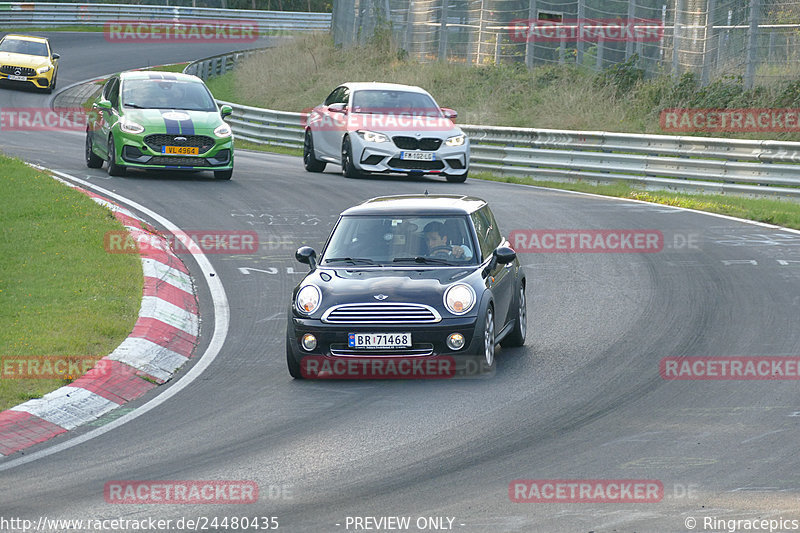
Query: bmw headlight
[
  {"x": 373, "y": 137},
  {"x": 222, "y": 131},
  {"x": 42, "y": 70},
  {"x": 456, "y": 140},
  {"x": 308, "y": 299},
  {"x": 129, "y": 126},
  {"x": 459, "y": 298}
]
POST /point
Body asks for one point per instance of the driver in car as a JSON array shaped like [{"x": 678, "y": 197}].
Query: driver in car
[{"x": 439, "y": 244}]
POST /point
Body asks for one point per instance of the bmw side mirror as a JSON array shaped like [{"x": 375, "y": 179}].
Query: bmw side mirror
[
  {"x": 225, "y": 111},
  {"x": 505, "y": 255},
  {"x": 337, "y": 108},
  {"x": 56, "y": 56},
  {"x": 307, "y": 255},
  {"x": 449, "y": 113}
]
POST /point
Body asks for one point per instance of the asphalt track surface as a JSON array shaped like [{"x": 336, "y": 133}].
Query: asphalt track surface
[{"x": 582, "y": 400}]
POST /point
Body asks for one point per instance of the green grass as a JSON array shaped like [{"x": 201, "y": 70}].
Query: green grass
[
  {"x": 61, "y": 293},
  {"x": 299, "y": 74}
]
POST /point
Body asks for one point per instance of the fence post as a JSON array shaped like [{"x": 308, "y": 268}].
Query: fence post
[
  {"x": 676, "y": 38},
  {"x": 631, "y": 15},
  {"x": 530, "y": 51},
  {"x": 579, "y": 44},
  {"x": 443, "y": 32},
  {"x": 599, "y": 60},
  {"x": 709, "y": 35},
  {"x": 752, "y": 49}
]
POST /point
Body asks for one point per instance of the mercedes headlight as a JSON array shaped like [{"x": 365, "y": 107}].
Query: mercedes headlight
[
  {"x": 459, "y": 298},
  {"x": 129, "y": 126},
  {"x": 456, "y": 140},
  {"x": 373, "y": 137},
  {"x": 308, "y": 299},
  {"x": 222, "y": 131},
  {"x": 42, "y": 70}
]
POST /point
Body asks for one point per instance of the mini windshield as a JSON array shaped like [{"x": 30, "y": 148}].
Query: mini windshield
[
  {"x": 167, "y": 94},
  {"x": 21, "y": 46},
  {"x": 395, "y": 103},
  {"x": 396, "y": 240}
]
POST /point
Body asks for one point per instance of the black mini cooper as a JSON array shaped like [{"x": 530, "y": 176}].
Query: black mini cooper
[{"x": 420, "y": 279}]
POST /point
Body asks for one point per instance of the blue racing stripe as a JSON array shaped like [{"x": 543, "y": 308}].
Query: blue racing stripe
[{"x": 187, "y": 127}]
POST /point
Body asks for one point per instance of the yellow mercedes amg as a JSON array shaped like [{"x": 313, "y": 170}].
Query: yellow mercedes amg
[{"x": 25, "y": 59}]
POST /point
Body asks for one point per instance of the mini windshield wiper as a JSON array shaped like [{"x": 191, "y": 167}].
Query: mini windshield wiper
[
  {"x": 131, "y": 104},
  {"x": 421, "y": 259},
  {"x": 353, "y": 260}
]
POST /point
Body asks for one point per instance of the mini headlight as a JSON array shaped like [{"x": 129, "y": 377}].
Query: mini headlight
[
  {"x": 459, "y": 299},
  {"x": 308, "y": 299},
  {"x": 42, "y": 70},
  {"x": 373, "y": 137},
  {"x": 222, "y": 131},
  {"x": 456, "y": 140},
  {"x": 129, "y": 126}
]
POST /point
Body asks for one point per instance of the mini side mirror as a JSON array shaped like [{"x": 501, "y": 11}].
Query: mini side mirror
[{"x": 307, "y": 255}]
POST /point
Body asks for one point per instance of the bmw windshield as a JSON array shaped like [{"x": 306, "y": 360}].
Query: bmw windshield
[
  {"x": 389, "y": 102},
  {"x": 167, "y": 94},
  {"x": 397, "y": 240}
]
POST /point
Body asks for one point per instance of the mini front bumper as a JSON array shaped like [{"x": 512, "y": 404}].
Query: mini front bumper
[{"x": 428, "y": 340}]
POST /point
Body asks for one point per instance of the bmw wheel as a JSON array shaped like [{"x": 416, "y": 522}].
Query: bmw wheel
[
  {"x": 310, "y": 162},
  {"x": 348, "y": 168}
]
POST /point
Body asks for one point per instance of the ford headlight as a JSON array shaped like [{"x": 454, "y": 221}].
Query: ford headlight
[
  {"x": 459, "y": 299},
  {"x": 456, "y": 140},
  {"x": 222, "y": 131},
  {"x": 308, "y": 299},
  {"x": 42, "y": 70},
  {"x": 129, "y": 126},
  {"x": 373, "y": 137}
]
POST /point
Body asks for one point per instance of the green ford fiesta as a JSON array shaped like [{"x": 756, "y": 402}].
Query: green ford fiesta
[{"x": 158, "y": 120}]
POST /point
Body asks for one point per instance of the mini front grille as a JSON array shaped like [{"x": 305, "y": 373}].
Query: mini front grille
[
  {"x": 157, "y": 140},
  {"x": 412, "y": 143},
  {"x": 179, "y": 161},
  {"x": 411, "y": 164},
  {"x": 418, "y": 350},
  {"x": 17, "y": 71},
  {"x": 381, "y": 313}
]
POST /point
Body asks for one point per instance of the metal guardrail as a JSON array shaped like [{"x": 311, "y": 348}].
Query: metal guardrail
[
  {"x": 34, "y": 14},
  {"x": 681, "y": 163}
]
